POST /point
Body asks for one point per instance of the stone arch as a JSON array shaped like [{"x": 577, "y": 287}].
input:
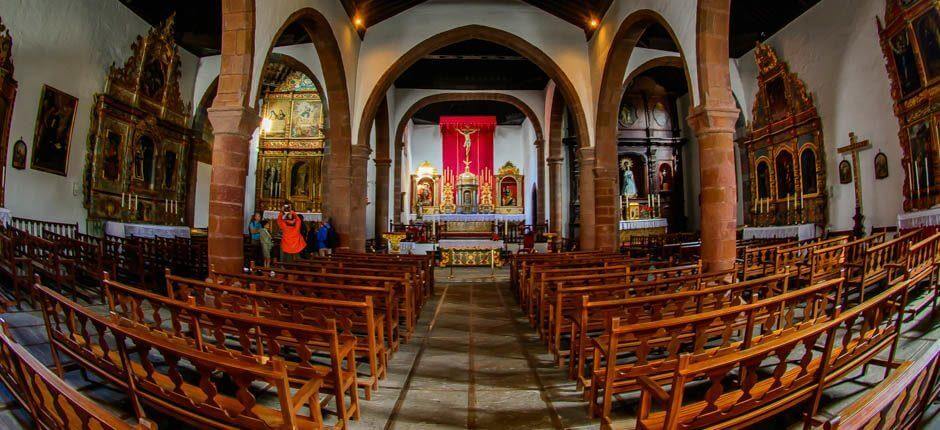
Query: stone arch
[
  {"x": 382, "y": 163},
  {"x": 555, "y": 160},
  {"x": 455, "y": 97},
  {"x": 337, "y": 177},
  {"x": 449, "y": 37},
  {"x": 668, "y": 61},
  {"x": 608, "y": 106},
  {"x": 293, "y": 63}
]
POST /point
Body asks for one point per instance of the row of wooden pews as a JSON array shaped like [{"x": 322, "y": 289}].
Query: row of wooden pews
[{"x": 710, "y": 350}]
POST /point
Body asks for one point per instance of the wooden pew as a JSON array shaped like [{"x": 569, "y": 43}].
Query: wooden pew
[
  {"x": 760, "y": 261},
  {"x": 898, "y": 402},
  {"x": 250, "y": 336},
  {"x": 717, "y": 333},
  {"x": 199, "y": 398},
  {"x": 878, "y": 263},
  {"x": 818, "y": 356},
  {"x": 49, "y": 400},
  {"x": 358, "y": 318},
  {"x": 384, "y": 297},
  {"x": 36, "y": 227},
  {"x": 797, "y": 260},
  {"x": 14, "y": 265},
  {"x": 919, "y": 265},
  {"x": 518, "y": 262},
  {"x": 51, "y": 263},
  {"x": 425, "y": 262},
  {"x": 589, "y": 320},
  {"x": 413, "y": 273}
]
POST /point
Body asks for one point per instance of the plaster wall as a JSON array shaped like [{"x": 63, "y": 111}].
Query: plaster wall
[
  {"x": 68, "y": 45},
  {"x": 201, "y": 208},
  {"x": 388, "y": 40},
  {"x": 843, "y": 67}
]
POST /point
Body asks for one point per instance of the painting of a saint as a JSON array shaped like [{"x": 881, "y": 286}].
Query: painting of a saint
[
  {"x": 169, "y": 169},
  {"x": 272, "y": 180},
  {"x": 19, "y": 155},
  {"x": 906, "y": 63},
  {"x": 143, "y": 160},
  {"x": 919, "y": 137},
  {"x": 845, "y": 172},
  {"x": 665, "y": 177},
  {"x": 276, "y": 112},
  {"x": 763, "y": 180},
  {"x": 508, "y": 192},
  {"x": 881, "y": 166},
  {"x": 53, "y": 131},
  {"x": 306, "y": 118},
  {"x": 300, "y": 178},
  {"x": 808, "y": 171},
  {"x": 785, "y": 183},
  {"x": 153, "y": 79},
  {"x": 425, "y": 193},
  {"x": 627, "y": 115},
  {"x": 628, "y": 181},
  {"x": 927, "y": 30},
  {"x": 777, "y": 97},
  {"x": 111, "y": 157}
]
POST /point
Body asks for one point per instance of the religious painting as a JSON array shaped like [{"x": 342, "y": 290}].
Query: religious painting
[
  {"x": 424, "y": 193},
  {"x": 808, "y": 171},
  {"x": 881, "y": 165},
  {"x": 306, "y": 118},
  {"x": 276, "y": 113},
  {"x": 784, "y": 169},
  {"x": 660, "y": 114},
  {"x": 927, "y": 31},
  {"x": 919, "y": 141},
  {"x": 777, "y": 97},
  {"x": 845, "y": 172},
  {"x": 111, "y": 156},
  {"x": 665, "y": 177},
  {"x": 19, "y": 155},
  {"x": 53, "y": 131},
  {"x": 906, "y": 63},
  {"x": 272, "y": 177},
  {"x": 169, "y": 169},
  {"x": 628, "y": 115},
  {"x": 508, "y": 192},
  {"x": 153, "y": 78},
  {"x": 763, "y": 180},
  {"x": 301, "y": 177},
  {"x": 143, "y": 161}
]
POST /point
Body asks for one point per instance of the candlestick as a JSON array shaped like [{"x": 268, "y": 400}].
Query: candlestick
[
  {"x": 122, "y": 200},
  {"x": 927, "y": 172},
  {"x": 801, "y": 199},
  {"x": 916, "y": 181}
]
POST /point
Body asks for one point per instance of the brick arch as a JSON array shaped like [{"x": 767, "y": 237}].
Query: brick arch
[{"x": 336, "y": 176}]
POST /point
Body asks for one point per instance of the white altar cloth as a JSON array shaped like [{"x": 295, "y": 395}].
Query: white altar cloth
[
  {"x": 5, "y": 217},
  {"x": 308, "y": 216},
  {"x": 416, "y": 248},
  {"x": 120, "y": 229},
  {"x": 924, "y": 218},
  {"x": 801, "y": 231},
  {"x": 470, "y": 243},
  {"x": 637, "y": 224},
  {"x": 475, "y": 217}
]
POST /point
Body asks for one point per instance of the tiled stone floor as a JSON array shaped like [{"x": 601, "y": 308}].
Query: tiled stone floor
[{"x": 474, "y": 362}]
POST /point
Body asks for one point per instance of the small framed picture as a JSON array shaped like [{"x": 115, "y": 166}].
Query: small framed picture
[
  {"x": 881, "y": 166},
  {"x": 19, "y": 155},
  {"x": 845, "y": 172}
]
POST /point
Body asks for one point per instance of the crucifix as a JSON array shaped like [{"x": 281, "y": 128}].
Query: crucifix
[
  {"x": 467, "y": 132},
  {"x": 853, "y": 148}
]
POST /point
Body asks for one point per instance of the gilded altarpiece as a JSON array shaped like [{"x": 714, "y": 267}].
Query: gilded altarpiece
[
  {"x": 910, "y": 40},
  {"x": 509, "y": 189},
  {"x": 290, "y": 151},
  {"x": 7, "y": 96},
  {"x": 784, "y": 149},
  {"x": 138, "y": 162}
]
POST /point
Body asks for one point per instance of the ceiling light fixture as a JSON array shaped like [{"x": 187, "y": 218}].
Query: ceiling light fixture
[
  {"x": 593, "y": 23},
  {"x": 357, "y": 20}
]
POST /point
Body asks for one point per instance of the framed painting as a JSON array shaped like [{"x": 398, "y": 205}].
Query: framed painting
[
  {"x": 19, "y": 155},
  {"x": 306, "y": 118},
  {"x": 276, "y": 117},
  {"x": 881, "y": 166},
  {"x": 53, "y": 131},
  {"x": 905, "y": 62},
  {"x": 927, "y": 31},
  {"x": 845, "y": 172}
]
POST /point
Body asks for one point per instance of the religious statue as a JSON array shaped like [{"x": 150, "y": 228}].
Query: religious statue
[
  {"x": 467, "y": 132},
  {"x": 629, "y": 184}
]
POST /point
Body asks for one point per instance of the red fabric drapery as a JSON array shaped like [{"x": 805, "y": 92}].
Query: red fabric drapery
[{"x": 481, "y": 149}]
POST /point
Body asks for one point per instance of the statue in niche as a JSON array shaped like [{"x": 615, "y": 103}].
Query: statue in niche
[
  {"x": 272, "y": 180},
  {"x": 143, "y": 160},
  {"x": 111, "y": 161},
  {"x": 665, "y": 177},
  {"x": 808, "y": 171},
  {"x": 785, "y": 183},
  {"x": 299, "y": 178},
  {"x": 169, "y": 169},
  {"x": 763, "y": 180},
  {"x": 629, "y": 183}
]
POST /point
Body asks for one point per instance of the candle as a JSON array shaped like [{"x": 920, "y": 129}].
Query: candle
[
  {"x": 916, "y": 181},
  {"x": 927, "y": 172},
  {"x": 122, "y": 200},
  {"x": 910, "y": 179}
]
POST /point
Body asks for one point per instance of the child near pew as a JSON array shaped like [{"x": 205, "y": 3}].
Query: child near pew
[{"x": 266, "y": 242}]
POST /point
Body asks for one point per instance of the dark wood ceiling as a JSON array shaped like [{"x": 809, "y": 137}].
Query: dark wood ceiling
[
  {"x": 199, "y": 23},
  {"x": 505, "y": 113},
  {"x": 474, "y": 65}
]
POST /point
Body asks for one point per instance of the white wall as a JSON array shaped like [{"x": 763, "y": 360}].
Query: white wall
[
  {"x": 843, "y": 67},
  {"x": 201, "y": 204},
  {"x": 69, "y": 45}
]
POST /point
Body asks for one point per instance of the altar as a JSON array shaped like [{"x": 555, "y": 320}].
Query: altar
[
  {"x": 799, "y": 231},
  {"x": 642, "y": 227},
  {"x": 149, "y": 231},
  {"x": 923, "y": 218},
  {"x": 307, "y": 216}
]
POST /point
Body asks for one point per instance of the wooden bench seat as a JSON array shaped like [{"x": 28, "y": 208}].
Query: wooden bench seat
[
  {"x": 816, "y": 356},
  {"x": 356, "y": 318},
  {"x": 876, "y": 266},
  {"x": 166, "y": 373},
  {"x": 306, "y": 349},
  {"x": 652, "y": 350},
  {"x": 412, "y": 273}
]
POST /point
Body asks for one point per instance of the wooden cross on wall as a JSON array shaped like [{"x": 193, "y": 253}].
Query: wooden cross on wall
[{"x": 853, "y": 148}]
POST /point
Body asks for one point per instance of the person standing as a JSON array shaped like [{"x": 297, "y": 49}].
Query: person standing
[
  {"x": 323, "y": 236},
  {"x": 267, "y": 242},
  {"x": 254, "y": 232},
  {"x": 313, "y": 245},
  {"x": 292, "y": 242}
]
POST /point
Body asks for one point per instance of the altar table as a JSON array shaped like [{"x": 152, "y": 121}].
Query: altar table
[
  {"x": 308, "y": 216},
  {"x": 642, "y": 227},
  {"x": 474, "y": 217},
  {"x": 471, "y": 243},
  {"x": 924, "y": 218},
  {"x": 416, "y": 248},
  {"x": 5, "y": 217},
  {"x": 120, "y": 229},
  {"x": 800, "y": 231},
  {"x": 451, "y": 257}
]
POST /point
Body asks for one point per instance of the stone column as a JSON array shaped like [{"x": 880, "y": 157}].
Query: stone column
[
  {"x": 381, "y": 196},
  {"x": 586, "y": 200},
  {"x": 359, "y": 159},
  {"x": 555, "y": 176},
  {"x": 232, "y": 127},
  {"x": 606, "y": 208},
  {"x": 714, "y": 129},
  {"x": 396, "y": 186},
  {"x": 540, "y": 182}
]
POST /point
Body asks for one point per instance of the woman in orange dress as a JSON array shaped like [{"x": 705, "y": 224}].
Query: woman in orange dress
[{"x": 292, "y": 241}]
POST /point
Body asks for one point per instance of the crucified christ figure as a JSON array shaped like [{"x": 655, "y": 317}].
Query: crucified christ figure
[{"x": 466, "y": 132}]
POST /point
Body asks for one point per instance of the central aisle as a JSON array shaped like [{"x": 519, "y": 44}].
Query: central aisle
[{"x": 477, "y": 364}]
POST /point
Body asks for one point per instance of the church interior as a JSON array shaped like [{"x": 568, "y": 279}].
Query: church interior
[{"x": 469, "y": 214}]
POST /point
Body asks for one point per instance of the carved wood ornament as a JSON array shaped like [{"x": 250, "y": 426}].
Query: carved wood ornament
[
  {"x": 140, "y": 143},
  {"x": 784, "y": 148},
  {"x": 910, "y": 40},
  {"x": 7, "y": 97}
]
